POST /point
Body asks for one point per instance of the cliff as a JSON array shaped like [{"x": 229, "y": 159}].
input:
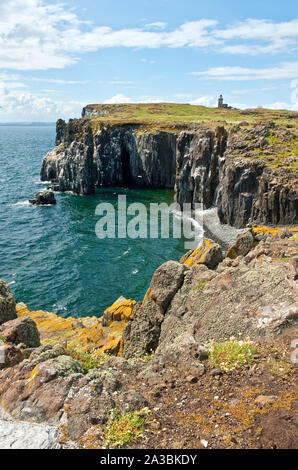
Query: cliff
[{"x": 245, "y": 162}]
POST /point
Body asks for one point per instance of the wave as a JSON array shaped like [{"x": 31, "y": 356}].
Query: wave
[{"x": 22, "y": 203}]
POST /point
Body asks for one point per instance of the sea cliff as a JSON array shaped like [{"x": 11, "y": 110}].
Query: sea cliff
[{"x": 243, "y": 162}]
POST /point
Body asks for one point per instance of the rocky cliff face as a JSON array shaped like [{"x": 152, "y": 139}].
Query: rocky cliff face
[{"x": 223, "y": 167}]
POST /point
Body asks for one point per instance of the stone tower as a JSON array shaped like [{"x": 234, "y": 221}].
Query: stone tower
[{"x": 220, "y": 101}]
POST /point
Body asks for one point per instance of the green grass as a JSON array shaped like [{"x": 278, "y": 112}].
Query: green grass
[
  {"x": 86, "y": 360},
  {"x": 168, "y": 115},
  {"x": 123, "y": 428},
  {"x": 228, "y": 355}
]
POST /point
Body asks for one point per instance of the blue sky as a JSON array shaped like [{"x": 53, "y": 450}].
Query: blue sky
[{"x": 56, "y": 57}]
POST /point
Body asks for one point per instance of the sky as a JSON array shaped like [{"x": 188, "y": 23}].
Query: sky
[{"x": 57, "y": 56}]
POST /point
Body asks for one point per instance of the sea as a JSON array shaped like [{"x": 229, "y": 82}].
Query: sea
[{"x": 51, "y": 257}]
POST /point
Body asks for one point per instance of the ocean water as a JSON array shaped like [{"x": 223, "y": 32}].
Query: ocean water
[{"x": 50, "y": 256}]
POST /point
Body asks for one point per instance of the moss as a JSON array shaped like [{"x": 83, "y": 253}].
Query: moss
[
  {"x": 124, "y": 428},
  {"x": 230, "y": 354}
]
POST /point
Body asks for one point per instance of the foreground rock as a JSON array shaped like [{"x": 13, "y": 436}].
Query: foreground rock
[
  {"x": 255, "y": 295},
  {"x": 43, "y": 198},
  {"x": 18, "y": 435},
  {"x": 245, "y": 242},
  {"x": 7, "y": 304},
  {"x": 21, "y": 331}
]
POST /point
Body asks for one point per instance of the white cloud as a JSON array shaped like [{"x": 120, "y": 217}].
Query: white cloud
[
  {"x": 285, "y": 70},
  {"x": 204, "y": 100},
  {"x": 15, "y": 100},
  {"x": 37, "y": 35},
  {"x": 118, "y": 99}
]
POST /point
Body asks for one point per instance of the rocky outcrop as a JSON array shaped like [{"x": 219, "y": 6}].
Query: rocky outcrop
[
  {"x": 244, "y": 242},
  {"x": 255, "y": 295},
  {"x": 207, "y": 166},
  {"x": 208, "y": 253},
  {"x": 7, "y": 304},
  {"x": 21, "y": 331},
  {"x": 43, "y": 198}
]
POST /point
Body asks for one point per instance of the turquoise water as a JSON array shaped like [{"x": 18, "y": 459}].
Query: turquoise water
[{"x": 50, "y": 256}]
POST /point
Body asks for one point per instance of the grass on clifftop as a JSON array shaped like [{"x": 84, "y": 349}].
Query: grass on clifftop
[{"x": 173, "y": 116}]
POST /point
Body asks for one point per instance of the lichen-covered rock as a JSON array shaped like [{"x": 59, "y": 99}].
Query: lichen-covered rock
[
  {"x": 119, "y": 310},
  {"x": 7, "y": 304},
  {"x": 208, "y": 252},
  {"x": 142, "y": 332},
  {"x": 242, "y": 245},
  {"x": 21, "y": 330}
]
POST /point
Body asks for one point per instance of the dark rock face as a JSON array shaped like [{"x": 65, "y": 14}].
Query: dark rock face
[
  {"x": 197, "y": 166},
  {"x": 210, "y": 167},
  {"x": 7, "y": 304},
  {"x": 21, "y": 331},
  {"x": 43, "y": 198}
]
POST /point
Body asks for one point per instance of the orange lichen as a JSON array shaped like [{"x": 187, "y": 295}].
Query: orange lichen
[
  {"x": 273, "y": 230},
  {"x": 87, "y": 334},
  {"x": 197, "y": 256}
]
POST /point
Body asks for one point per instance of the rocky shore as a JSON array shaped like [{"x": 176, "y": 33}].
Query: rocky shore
[
  {"x": 207, "y": 359},
  {"x": 246, "y": 167}
]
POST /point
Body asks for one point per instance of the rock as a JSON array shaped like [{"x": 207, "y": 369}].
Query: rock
[
  {"x": 243, "y": 244},
  {"x": 283, "y": 233},
  {"x": 208, "y": 253},
  {"x": 264, "y": 400},
  {"x": 192, "y": 379},
  {"x": 216, "y": 372},
  {"x": 46, "y": 197},
  {"x": 16, "y": 435},
  {"x": 133, "y": 400},
  {"x": 120, "y": 310},
  {"x": 141, "y": 335},
  {"x": 7, "y": 304},
  {"x": 10, "y": 355},
  {"x": 22, "y": 330}
]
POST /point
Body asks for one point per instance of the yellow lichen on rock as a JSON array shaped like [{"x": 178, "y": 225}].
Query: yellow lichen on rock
[
  {"x": 273, "y": 230},
  {"x": 120, "y": 310},
  {"x": 207, "y": 252},
  {"x": 88, "y": 334}
]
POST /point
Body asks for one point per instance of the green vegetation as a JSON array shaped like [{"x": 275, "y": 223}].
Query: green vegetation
[
  {"x": 294, "y": 238},
  {"x": 173, "y": 116},
  {"x": 230, "y": 354},
  {"x": 280, "y": 368},
  {"x": 86, "y": 360},
  {"x": 124, "y": 428},
  {"x": 2, "y": 338}
]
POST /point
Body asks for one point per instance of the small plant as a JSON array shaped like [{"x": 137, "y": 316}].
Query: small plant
[
  {"x": 86, "y": 360},
  {"x": 123, "y": 428},
  {"x": 294, "y": 238},
  {"x": 3, "y": 338},
  {"x": 230, "y": 354},
  {"x": 280, "y": 368}
]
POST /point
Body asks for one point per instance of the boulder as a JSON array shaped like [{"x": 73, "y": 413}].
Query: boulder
[
  {"x": 21, "y": 331},
  {"x": 7, "y": 303},
  {"x": 244, "y": 243},
  {"x": 208, "y": 252},
  {"x": 42, "y": 198},
  {"x": 141, "y": 334},
  {"x": 119, "y": 310}
]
